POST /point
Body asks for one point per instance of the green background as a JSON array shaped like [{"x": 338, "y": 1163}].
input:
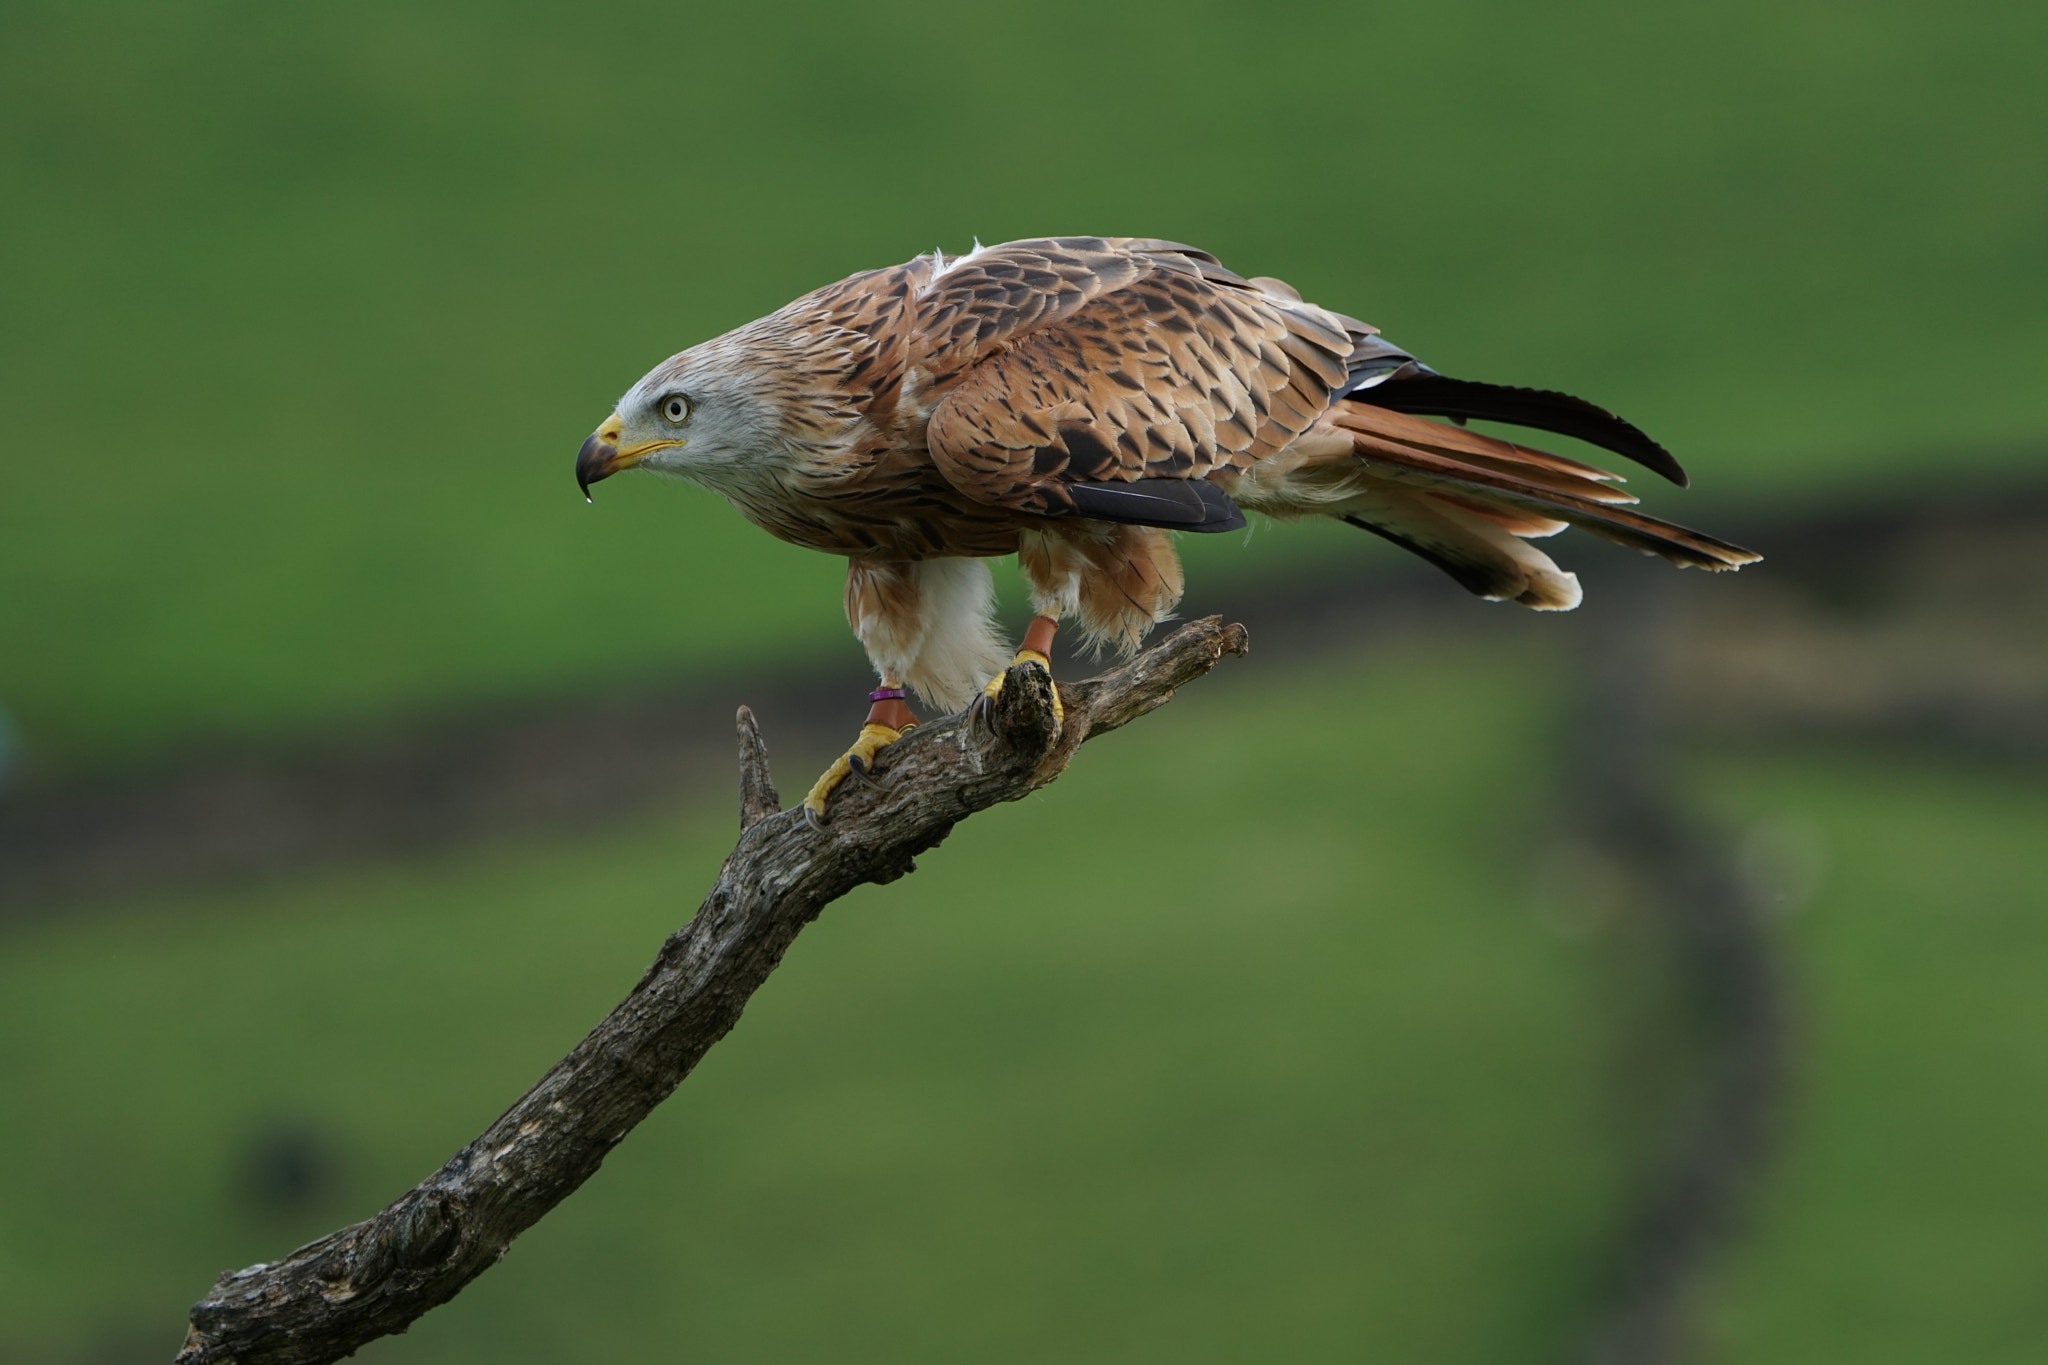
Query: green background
[
  {"x": 308, "y": 307},
  {"x": 1288, "y": 1054},
  {"x": 1306, "y": 1058}
]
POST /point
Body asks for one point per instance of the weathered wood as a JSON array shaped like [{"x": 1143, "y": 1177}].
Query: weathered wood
[
  {"x": 332, "y": 1296},
  {"x": 758, "y": 797}
]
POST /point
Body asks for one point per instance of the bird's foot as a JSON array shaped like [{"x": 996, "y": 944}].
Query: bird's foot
[
  {"x": 853, "y": 763},
  {"x": 979, "y": 712}
]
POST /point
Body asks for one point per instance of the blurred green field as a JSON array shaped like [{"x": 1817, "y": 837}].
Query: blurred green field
[
  {"x": 1137, "y": 1101},
  {"x": 307, "y": 307},
  {"x": 1903, "y": 1222},
  {"x": 1281, "y": 1058},
  {"x": 303, "y": 311}
]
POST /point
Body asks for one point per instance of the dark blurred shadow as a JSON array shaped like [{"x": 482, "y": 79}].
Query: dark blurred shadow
[
  {"x": 1706, "y": 1059},
  {"x": 286, "y": 1168}
]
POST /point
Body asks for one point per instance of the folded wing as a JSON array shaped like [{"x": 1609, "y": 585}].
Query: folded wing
[{"x": 1119, "y": 403}]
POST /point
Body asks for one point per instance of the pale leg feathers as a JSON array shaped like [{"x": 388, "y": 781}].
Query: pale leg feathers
[
  {"x": 927, "y": 624},
  {"x": 1117, "y": 581}
]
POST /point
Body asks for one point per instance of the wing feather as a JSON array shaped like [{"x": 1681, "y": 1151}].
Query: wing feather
[{"x": 1163, "y": 366}]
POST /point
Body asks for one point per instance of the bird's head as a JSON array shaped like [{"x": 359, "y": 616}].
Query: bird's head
[
  {"x": 729, "y": 412},
  {"x": 697, "y": 414}
]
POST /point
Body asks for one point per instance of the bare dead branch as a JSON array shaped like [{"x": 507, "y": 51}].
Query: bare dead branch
[
  {"x": 758, "y": 797},
  {"x": 375, "y": 1278}
]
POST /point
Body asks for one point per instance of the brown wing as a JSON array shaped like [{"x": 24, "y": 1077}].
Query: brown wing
[{"x": 1072, "y": 366}]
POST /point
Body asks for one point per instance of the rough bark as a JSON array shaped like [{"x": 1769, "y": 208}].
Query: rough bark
[{"x": 334, "y": 1295}]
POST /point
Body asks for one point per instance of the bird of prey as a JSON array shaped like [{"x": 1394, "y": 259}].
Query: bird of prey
[{"x": 1076, "y": 400}]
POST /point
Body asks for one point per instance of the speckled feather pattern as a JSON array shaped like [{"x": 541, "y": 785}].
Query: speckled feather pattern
[{"x": 946, "y": 408}]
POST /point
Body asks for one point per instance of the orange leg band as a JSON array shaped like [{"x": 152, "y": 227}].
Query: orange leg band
[
  {"x": 1038, "y": 635},
  {"x": 893, "y": 712}
]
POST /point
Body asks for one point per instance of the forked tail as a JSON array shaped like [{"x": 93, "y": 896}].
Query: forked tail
[{"x": 1470, "y": 503}]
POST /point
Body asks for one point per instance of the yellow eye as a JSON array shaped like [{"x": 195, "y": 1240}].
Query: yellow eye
[{"x": 675, "y": 409}]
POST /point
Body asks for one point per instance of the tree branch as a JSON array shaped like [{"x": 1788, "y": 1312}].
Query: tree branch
[
  {"x": 758, "y": 797},
  {"x": 375, "y": 1278}
]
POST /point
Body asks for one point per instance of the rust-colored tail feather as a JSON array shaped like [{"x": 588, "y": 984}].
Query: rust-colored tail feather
[{"x": 1448, "y": 494}]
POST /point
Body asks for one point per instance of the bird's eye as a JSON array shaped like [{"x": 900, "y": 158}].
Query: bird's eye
[{"x": 675, "y": 409}]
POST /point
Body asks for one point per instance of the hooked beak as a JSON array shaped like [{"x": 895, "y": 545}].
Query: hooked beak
[{"x": 600, "y": 458}]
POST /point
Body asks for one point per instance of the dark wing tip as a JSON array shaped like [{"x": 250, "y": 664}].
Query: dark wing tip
[
  {"x": 1173, "y": 504},
  {"x": 1425, "y": 392}
]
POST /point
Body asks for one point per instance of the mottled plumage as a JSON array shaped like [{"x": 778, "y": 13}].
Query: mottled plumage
[{"x": 1073, "y": 400}]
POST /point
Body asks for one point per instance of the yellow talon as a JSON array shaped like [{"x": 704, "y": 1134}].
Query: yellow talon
[
  {"x": 1028, "y": 656},
  {"x": 873, "y": 739}
]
